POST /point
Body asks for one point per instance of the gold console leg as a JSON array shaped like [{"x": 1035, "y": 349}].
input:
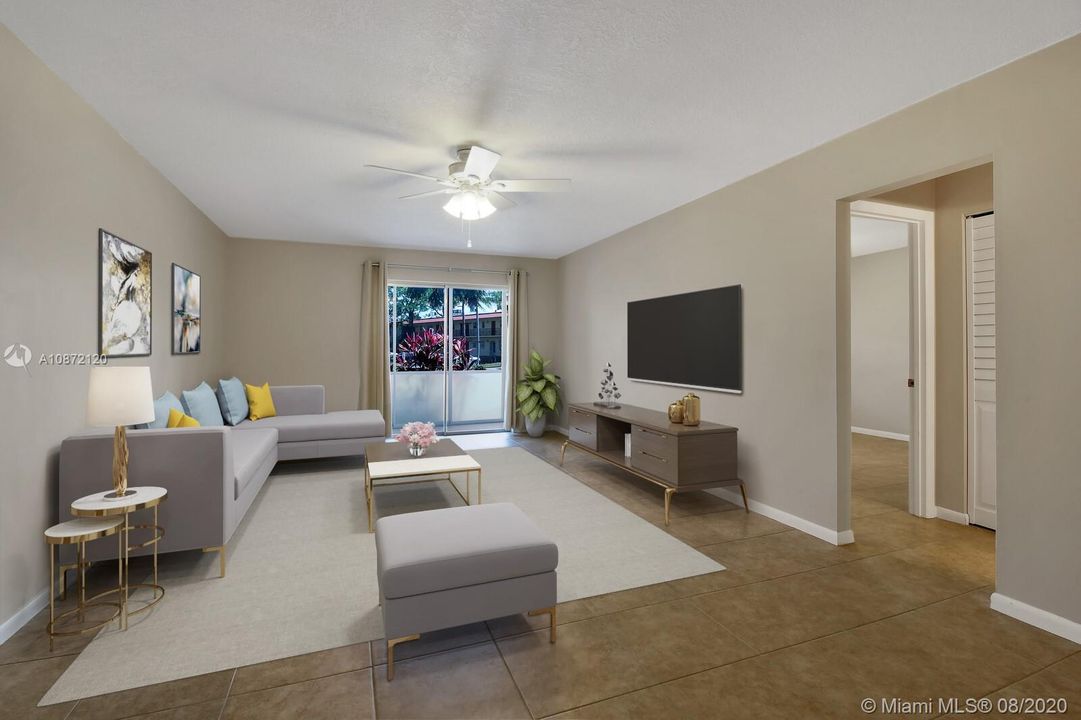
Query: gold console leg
[
  {"x": 668, "y": 493},
  {"x": 746, "y": 507},
  {"x": 563, "y": 451},
  {"x": 551, "y": 613},
  {"x": 220, "y": 549},
  {"x": 390, "y": 652}
]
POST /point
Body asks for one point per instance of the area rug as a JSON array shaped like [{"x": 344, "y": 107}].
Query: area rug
[{"x": 301, "y": 571}]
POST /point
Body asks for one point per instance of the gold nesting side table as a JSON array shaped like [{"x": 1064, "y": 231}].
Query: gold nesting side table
[
  {"x": 79, "y": 532},
  {"x": 139, "y": 498}
]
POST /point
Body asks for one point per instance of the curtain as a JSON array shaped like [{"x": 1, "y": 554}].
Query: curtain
[
  {"x": 374, "y": 353},
  {"x": 517, "y": 352}
]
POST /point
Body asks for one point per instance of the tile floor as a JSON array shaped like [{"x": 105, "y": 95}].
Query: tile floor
[{"x": 794, "y": 628}]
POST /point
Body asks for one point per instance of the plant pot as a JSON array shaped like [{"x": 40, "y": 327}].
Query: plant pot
[
  {"x": 416, "y": 450},
  {"x": 535, "y": 428}
]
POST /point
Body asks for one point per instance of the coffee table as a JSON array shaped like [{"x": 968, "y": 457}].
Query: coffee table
[{"x": 385, "y": 461}]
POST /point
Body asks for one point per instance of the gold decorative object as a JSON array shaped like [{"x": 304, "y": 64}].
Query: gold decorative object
[
  {"x": 675, "y": 412},
  {"x": 692, "y": 409},
  {"x": 120, "y": 462}
]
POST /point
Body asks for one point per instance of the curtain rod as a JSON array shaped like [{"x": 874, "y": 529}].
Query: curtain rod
[{"x": 449, "y": 269}]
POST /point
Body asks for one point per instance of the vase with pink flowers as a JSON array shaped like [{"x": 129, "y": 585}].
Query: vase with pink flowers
[{"x": 419, "y": 436}]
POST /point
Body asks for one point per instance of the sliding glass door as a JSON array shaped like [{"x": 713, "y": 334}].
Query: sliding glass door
[{"x": 447, "y": 356}]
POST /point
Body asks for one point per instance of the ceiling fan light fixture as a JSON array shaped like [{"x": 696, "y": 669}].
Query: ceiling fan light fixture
[{"x": 469, "y": 205}]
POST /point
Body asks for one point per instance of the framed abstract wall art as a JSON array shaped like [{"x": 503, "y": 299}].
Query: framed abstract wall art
[
  {"x": 186, "y": 299},
  {"x": 124, "y": 297}
]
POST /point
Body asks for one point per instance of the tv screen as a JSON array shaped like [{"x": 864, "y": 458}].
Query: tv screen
[{"x": 693, "y": 340}]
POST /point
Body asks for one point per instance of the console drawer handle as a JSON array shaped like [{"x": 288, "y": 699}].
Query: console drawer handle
[
  {"x": 652, "y": 432},
  {"x": 655, "y": 457},
  {"x": 587, "y": 432}
]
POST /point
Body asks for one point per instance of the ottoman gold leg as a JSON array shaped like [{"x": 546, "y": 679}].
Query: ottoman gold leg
[
  {"x": 551, "y": 613},
  {"x": 390, "y": 652}
]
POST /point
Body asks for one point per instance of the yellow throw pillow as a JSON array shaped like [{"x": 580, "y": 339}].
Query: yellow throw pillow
[
  {"x": 179, "y": 419},
  {"x": 260, "y": 403}
]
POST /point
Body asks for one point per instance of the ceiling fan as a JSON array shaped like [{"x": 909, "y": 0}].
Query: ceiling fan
[{"x": 474, "y": 193}]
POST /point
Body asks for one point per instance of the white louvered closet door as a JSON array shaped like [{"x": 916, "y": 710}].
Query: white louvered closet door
[{"x": 982, "y": 503}]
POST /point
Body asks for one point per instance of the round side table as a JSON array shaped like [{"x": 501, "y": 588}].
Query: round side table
[
  {"x": 79, "y": 532},
  {"x": 142, "y": 498}
]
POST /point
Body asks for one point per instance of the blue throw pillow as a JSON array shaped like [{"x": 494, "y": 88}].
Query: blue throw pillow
[
  {"x": 202, "y": 404},
  {"x": 233, "y": 401},
  {"x": 162, "y": 406}
]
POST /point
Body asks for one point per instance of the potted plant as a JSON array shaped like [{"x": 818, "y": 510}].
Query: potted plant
[{"x": 537, "y": 394}]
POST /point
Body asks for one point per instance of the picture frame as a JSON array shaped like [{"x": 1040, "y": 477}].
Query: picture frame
[
  {"x": 125, "y": 297},
  {"x": 186, "y": 313}
]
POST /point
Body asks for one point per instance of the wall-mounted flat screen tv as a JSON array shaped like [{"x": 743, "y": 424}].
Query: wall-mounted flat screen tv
[{"x": 691, "y": 340}]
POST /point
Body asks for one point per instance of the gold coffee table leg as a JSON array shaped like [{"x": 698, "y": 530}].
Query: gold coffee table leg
[
  {"x": 668, "y": 493},
  {"x": 563, "y": 451}
]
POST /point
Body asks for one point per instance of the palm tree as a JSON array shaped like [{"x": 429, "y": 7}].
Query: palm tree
[{"x": 475, "y": 299}]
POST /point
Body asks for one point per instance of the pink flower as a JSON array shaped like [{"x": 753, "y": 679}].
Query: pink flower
[{"x": 419, "y": 434}]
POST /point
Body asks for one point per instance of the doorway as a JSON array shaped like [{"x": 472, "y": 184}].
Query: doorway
[
  {"x": 893, "y": 356},
  {"x": 446, "y": 366},
  {"x": 952, "y": 449}
]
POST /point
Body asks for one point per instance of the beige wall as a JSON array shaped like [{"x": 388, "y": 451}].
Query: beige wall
[
  {"x": 63, "y": 174},
  {"x": 294, "y": 309},
  {"x": 783, "y": 234},
  {"x": 952, "y": 197},
  {"x": 880, "y": 348}
]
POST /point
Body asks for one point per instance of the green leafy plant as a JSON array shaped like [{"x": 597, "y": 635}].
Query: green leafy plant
[{"x": 538, "y": 392}]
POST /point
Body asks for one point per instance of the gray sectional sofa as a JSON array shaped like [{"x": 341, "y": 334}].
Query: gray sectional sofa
[{"x": 213, "y": 474}]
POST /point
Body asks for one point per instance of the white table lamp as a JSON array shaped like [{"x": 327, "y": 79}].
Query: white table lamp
[{"x": 119, "y": 396}]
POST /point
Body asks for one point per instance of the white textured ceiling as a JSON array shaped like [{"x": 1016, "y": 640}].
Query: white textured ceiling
[
  {"x": 875, "y": 235},
  {"x": 263, "y": 111}
]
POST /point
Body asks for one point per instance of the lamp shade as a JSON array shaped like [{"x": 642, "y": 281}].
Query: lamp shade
[{"x": 119, "y": 396}]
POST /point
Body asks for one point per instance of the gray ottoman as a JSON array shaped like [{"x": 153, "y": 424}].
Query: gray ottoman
[{"x": 443, "y": 568}]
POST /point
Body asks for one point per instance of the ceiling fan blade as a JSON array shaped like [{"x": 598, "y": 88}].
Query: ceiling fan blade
[
  {"x": 481, "y": 162},
  {"x": 501, "y": 202},
  {"x": 406, "y": 172},
  {"x": 505, "y": 186},
  {"x": 427, "y": 194}
]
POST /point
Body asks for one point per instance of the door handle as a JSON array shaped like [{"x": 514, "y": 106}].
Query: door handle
[{"x": 911, "y": 383}]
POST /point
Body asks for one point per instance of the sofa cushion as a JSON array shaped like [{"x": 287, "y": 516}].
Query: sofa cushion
[
  {"x": 435, "y": 550},
  {"x": 178, "y": 419},
  {"x": 260, "y": 401},
  {"x": 250, "y": 449},
  {"x": 232, "y": 400},
  {"x": 202, "y": 404},
  {"x": 162, "y": 406},
  {"x": 342, "y": 425}
]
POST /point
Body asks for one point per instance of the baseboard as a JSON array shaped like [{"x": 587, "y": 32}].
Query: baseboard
[
  {"x": 559, "y": 429},
  {"x": 1032, "y": 615},
  {"x": 952, "y": 515},
  {"x": 14, "y": 623},
  {"x": 880, "y": 433},
  {"x": 819, "y": 531}
]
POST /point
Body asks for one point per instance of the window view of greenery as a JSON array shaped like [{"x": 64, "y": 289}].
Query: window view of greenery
[{"x": 416, "y": 318}]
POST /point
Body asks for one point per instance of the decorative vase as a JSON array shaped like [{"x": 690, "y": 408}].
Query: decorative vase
[
  {"x": 675, "y": 412},
  {"x": 692, "y": 409},
  {"x": 535, "y": 428},
  {"x": 416, "y": 450}
]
